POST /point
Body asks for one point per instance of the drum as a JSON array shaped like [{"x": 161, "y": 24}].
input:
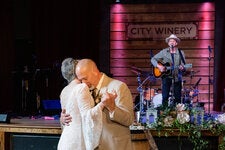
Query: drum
[
  {"x": 157, "y": 100},
  {"x": 149, "y": 94}
]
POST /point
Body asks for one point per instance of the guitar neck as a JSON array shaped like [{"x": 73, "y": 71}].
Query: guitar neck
[
  {"x": 175, "y": 67},
  {"x": 170, "y": 68}
]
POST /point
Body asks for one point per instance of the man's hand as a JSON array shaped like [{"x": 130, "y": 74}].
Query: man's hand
[
  {"x": 108, "y": 99},
  {"x": 65, "y": 119},
  {"x": 161, "y": 68}
]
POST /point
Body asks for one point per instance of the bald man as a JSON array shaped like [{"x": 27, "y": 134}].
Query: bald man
[{"x": 118, "y": 111}]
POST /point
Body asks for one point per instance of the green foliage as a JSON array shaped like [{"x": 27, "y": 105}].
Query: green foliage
[
  {"x": 196, "y": 138},
  {"x": 167, "y": 120}
]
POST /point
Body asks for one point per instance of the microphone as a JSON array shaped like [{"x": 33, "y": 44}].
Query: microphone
[
  {"x": 139, "y": 79},
  {"x": 171, "y": 46},
  {"x": 209, "y": 48}
]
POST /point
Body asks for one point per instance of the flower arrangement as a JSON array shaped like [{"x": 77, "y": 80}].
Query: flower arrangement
[{"x": 190, "y": 121}]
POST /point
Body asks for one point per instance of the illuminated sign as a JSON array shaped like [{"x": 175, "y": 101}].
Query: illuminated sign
[{"x": 161, "y": 31}]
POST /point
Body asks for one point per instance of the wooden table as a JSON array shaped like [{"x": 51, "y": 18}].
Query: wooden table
[{"x": 167, "y": 138}]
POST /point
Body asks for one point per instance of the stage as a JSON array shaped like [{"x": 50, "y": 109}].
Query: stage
[
  {"x": 33, "y": 130},
  {"x": 26, "y": 133}
]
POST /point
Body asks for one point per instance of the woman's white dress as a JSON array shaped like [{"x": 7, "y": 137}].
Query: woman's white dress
[{"x": 84, "y": 131}]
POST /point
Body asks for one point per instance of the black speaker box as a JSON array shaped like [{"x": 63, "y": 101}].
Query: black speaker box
[{"x": 34, "y": 142}]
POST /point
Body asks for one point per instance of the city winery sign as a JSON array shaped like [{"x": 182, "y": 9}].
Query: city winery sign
[{"x": 161, "y": 31}]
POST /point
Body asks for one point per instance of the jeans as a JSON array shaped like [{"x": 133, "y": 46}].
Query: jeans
[{"x": 167, "y": 88}]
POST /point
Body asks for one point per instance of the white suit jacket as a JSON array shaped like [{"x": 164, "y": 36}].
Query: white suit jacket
[{"x": 116, "y": 133}]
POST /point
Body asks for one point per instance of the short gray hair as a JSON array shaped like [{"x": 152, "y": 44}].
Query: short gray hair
[{"x": 68, "y": 69}]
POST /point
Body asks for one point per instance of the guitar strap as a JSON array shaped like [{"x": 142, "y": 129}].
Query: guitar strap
[{"x": 182, "y": 57}]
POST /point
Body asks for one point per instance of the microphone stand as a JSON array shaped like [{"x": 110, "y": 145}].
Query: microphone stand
[
  {"x": 141, "y": 93},
  {"x": 141, "y": 97},
  {"x": 173, "y": 81},
  {"x": 140, "y": 90},
  {"x": 195, "y": 87},
  {"x": 209, "y": 80}
]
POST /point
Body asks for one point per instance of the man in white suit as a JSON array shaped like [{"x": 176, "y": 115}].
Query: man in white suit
[{"x": 118, "y": 112}]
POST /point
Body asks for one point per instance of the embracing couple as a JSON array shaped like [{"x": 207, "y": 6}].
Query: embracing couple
[{"x": 101, "y": 123}]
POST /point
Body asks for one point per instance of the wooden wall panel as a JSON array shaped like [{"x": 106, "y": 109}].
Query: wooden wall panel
[
  {"x": 185, "y": 44},
  {"x": 155, "y": 17},
  {"x": 160, "y": 8},
  {"x": 125, "y": 52},
  {"x": 202, "y": 25},
  {"x": 189, "y": 53},
  {"x": 121, "y": 35}
]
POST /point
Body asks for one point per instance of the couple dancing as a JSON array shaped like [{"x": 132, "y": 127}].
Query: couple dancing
[{"x": 101, "y": 123}]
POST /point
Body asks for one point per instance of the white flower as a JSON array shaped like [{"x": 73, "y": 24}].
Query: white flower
[
  {"x": 183, "y": 117},
  {"x": 168, "y": 121},
  {"x": 180, "y": 107},
  {"x": 221, "y": 118}
]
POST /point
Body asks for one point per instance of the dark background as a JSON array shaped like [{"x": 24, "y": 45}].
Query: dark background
[{"x": 37, "y": 35}]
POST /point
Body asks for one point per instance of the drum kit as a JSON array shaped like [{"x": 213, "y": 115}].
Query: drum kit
[
  {"x": 188, "y": 94},
  {"x": 153, "y": 96}
]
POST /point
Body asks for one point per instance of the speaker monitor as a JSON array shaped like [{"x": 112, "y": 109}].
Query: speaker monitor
[{"x": 34, "y": 142}]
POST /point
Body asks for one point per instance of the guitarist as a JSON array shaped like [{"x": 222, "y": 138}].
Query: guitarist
[{"x": 172, "y": 81}]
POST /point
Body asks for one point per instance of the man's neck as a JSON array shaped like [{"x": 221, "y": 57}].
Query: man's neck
[
  {"x": 173, "y": 51},
  {"x": 100, "y": 81}
]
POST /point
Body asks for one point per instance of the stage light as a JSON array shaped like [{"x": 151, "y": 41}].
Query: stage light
[{"x": 117, "y": 1}]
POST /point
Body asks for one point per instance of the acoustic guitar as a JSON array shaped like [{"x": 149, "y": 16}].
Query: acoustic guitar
[{"x": 168, "y": 68}]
